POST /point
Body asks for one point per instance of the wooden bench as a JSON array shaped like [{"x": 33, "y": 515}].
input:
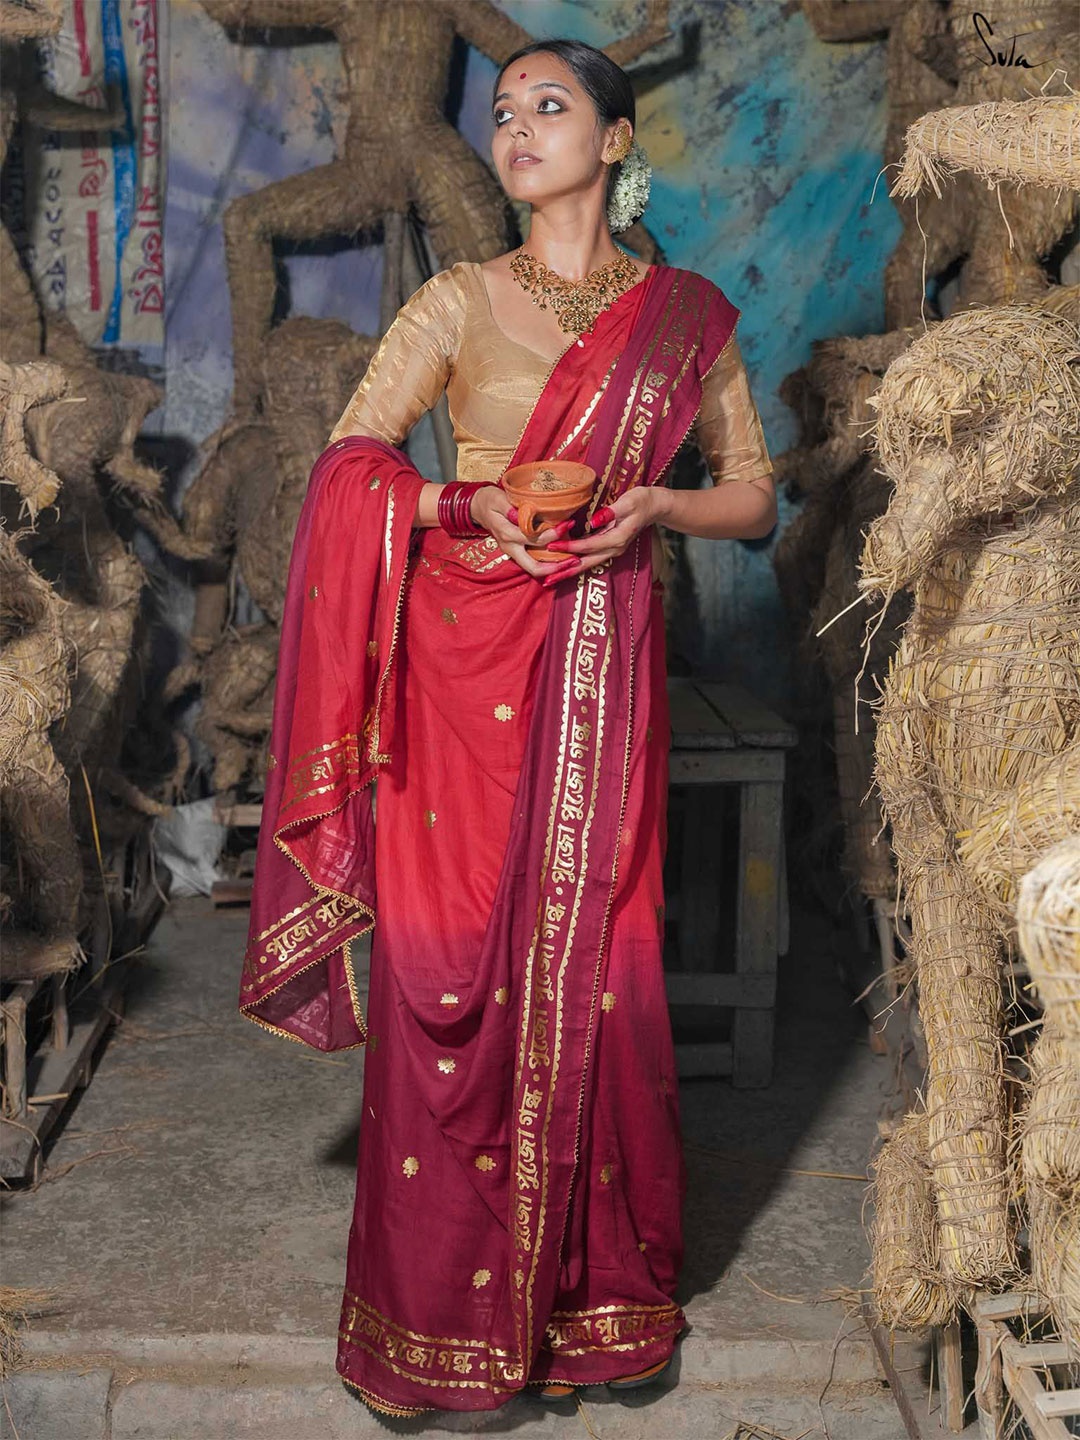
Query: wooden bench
[{"x": 722, "y": 735}]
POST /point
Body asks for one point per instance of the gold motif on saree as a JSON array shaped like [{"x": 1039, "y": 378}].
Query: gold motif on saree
[
  {"x": 549, "y": 933},
  {"x": 563, "y": 871},
  {"x": 573, "y": 804},
  {"x": 539, "y": 1053},
  {"x": 484, "y": 1162},
  {"x": 446, "y": 1064},
  {"x": 616, "y": 1327},
  {"x": 565, "y": 862},
  {"x": 429, "y": 818},
  {"x": 449, "y": 616},
  {"x": 450, "y": 1000},
  {"x": 502, "y": 995},
  {"x": 504, "y": 712},
  {"x": 373, "y": 1042},
  {"x": 434, "y": 1360},
  {"x": 580, "y": 734},
  {"x": 410, "y": 1166},
  {"x": 658, "y": 377},
  {"x": 322, "y": 769},
  {"x": 605, "y": 1174},
  {"x": 480, "y": 1278},
  {"x": 477, "y": 555},
  {"x": 374, "y": 482},
  {"x": 313, "y": 592},
  {"x": 594, "y": 621},
  {"x": 585, "y": 672},
  {"x": 284, "y": 942},
  {"x": 373, "y": 648},
  {"x": 608, "y": 1002}
]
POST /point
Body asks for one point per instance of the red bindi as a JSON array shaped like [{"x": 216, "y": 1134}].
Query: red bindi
[{"x": 522, "y": 75}]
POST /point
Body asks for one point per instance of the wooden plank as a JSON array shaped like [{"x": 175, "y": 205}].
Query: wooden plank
[
  {"x": 239, "y": 815},
  {"x": 751, "y": 720},
  {"x": 702, "y": 1059},
  {"x": 61, "y": 1029},
  {"x": 1026, "y": 1390},
  {"x": 756, "y": 991},
  {"x": 757, "y": 916},
  {"x": 1007, "y": 1305},
  {"x": 58, "y": 1074},
  {"x": 950, "y": 1376},
  {"x": 695, "y": 725},
  {"x": 1065, "y": 1403},
  {"x": 724, "y": 767},
  {"x": 16, "y": 1005},
  {"x": 231, "y": 892},
  {"x": 1045, "y": 1352},
  {"x": 989, "y": 1382},
  {"x": 910, "y": 1403}
]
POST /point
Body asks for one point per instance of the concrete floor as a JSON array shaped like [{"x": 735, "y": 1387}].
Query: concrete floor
[{"x": 193, "y": 1217}]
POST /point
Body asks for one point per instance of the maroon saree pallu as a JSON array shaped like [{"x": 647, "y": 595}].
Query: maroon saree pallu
[{"x": 520, "y": 1176}]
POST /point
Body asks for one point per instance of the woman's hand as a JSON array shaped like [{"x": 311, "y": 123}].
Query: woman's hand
[
  {"x": 611, "y": 530},
  {"x": 492, "y": 509}
]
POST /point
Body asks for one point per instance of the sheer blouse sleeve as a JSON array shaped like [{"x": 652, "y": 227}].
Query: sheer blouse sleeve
[
  {"x": 412, "y": 365},
  {"x": 728, "y": 428}
]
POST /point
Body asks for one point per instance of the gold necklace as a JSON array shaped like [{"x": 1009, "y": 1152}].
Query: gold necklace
[{"x": 576, "y": 303}]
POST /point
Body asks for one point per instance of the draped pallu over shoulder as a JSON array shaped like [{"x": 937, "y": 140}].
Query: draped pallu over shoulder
[
  {"x": 314, "y": 889},
  {"x": 498, "y": 1074}
]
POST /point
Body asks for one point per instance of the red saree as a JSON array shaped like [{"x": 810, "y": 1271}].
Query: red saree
[{"x": 520, "y": 1175}]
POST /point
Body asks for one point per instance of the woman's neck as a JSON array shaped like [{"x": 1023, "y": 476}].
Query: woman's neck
[{"x": 570, "y": 243}]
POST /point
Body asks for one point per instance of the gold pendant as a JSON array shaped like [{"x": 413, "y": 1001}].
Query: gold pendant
[{"x": 576, "y": 303}]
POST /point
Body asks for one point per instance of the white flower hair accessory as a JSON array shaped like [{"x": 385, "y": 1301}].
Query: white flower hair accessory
[{"x": 630, "y": 193}]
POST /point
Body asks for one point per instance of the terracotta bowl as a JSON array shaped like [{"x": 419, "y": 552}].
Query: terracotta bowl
[{"x": 547, "y": 492}]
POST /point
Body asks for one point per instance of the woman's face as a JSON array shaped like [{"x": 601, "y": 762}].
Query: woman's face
[{"x": 542, "y": 114}]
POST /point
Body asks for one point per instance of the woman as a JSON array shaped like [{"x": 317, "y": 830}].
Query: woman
[{"x": 520, "y": 1176}]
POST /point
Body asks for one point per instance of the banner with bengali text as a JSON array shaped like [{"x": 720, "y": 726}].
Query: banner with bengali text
[{"x": 95, "y": 197}]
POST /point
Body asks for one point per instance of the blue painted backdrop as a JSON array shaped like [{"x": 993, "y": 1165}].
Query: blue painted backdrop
[{"x": 765, "y": 147}]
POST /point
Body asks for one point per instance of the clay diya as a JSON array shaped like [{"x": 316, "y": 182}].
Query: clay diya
[{"x": 545, "y": 493}]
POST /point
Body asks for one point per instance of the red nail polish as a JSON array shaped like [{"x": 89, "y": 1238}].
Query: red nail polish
[
  {"x": 563, "y": 546},
  {"x": 512, "y": 515},
  {"x": 561, "y": 573}
]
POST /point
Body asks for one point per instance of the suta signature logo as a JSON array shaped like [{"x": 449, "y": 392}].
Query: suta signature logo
[{"x": 999, "y": 57}]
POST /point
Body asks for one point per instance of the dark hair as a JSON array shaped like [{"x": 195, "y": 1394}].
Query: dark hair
[{"x": 606, "y": 84}]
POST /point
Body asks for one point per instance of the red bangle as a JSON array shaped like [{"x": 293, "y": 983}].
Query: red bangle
[{"x": 454, "y": 508}]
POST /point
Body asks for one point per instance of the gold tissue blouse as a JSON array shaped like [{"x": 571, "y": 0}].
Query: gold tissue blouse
[{"x": 444, "y": 338}]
